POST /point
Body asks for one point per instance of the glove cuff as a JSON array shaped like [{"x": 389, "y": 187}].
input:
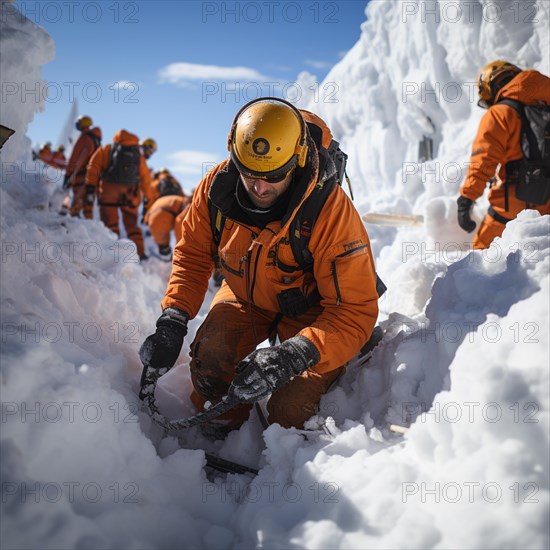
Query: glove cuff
[
  {"x": 464, "y": 202},
  {"x": 304, "y": 353},
  {"x": 172, "y": 316}
]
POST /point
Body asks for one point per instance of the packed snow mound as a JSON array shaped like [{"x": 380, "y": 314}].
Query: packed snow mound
[
  {"x": 25, "y": 47},
  {"x": 77, "y": 393},
  {"x": 463, "y": 360}
]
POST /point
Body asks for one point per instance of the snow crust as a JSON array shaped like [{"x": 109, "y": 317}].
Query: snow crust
[{"x": 464, "y": 360}]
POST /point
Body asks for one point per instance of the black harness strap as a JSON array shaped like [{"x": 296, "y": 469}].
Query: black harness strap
[{"x": 497, "y": 217}]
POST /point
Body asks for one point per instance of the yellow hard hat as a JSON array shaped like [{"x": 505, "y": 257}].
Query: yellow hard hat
[
  {"x": 268, "y": 138},
  {"x": 83, "y": 122},
  {"x": 149, "y": 143},
  {"x": 492, "y": 78}
]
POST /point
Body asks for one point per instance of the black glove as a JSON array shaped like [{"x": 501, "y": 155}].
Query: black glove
[
  {"x": 218, "y": 277},
  {"x": 267, "y": 369},
  {"x": 90, "y": 194},
  {"x": 66, "y": 181},
  {"x": 160, "y": 350},
  {"x": 165, "y": 252},
  {"x": 464, "y": 219}
]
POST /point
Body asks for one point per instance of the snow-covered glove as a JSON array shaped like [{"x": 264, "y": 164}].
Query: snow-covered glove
[
  {"x": 165, "y": 253},
  {"x": 90, "y": 194},
  {"x": 267, "y": 369},
  {"x": 66, "y": 181},
  {"x": 160, "y": 350},
  {"x": 464, "y": 219}
]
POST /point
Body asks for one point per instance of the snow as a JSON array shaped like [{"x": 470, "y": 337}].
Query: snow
[{"x": 464, "y": 359}]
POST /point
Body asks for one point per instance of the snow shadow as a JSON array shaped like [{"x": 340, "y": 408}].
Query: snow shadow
[{"x": 411, "y": 364}]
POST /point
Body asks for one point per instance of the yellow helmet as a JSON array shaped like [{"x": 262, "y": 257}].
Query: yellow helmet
[
  {"x": 268, "y": 138},
  {"x": 492, "y": 78},
  {"x": 83, "y": 122},
  {"x": 149, "y": 143}
]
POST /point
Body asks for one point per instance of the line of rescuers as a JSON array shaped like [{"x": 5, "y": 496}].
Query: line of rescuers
[
  {"x": 511, "y": 154},
  {"x": 117, "y": 175}
]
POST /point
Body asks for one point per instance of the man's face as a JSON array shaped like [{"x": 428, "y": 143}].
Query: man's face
[{"x": 262, "y": 193}]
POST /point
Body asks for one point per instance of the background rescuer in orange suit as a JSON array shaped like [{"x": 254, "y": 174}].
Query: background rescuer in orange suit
[
  {"x": 121, "y": 178},
  {"x": 498, "y": 142},
  {"x": 166, "y": 214},
  {"x": 273, "y": 168},
  {"x": 59, "y": 160},
  {"x": 75, "y": 176},
  {"x": 162, "y": 183}
]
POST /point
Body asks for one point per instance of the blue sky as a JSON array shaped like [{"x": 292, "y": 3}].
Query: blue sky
[{"x": 178, "y": 71}]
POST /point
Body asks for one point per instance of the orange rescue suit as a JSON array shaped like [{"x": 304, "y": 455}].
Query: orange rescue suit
[
  {"x": 165, "y": 215},
  {"x": 250, "y": 259},
  {"x": 498, "y": 142},
  {"x": 113, "y": 195},
  {"x": 76, "y": 170}
]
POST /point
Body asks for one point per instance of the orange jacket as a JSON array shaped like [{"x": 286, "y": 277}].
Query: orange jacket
[
  {"x": 82, "y": 151},
  {"x": 249, "y": 257},
  {"x": 167, "y": 213},
  {"x": 59, "y": 160},
  {"x": 154, "y": 192},
  {"x": 498, "y": 142},
  {"x": 46, "y": 155},
  {"x": 116, "y": 194}
]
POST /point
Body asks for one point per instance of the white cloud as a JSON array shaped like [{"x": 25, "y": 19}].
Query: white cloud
[
  {"x": 192, "y": 164},
  {"x": 183, "y": 73},
  {"x": 127, "y": 85},
  {"x": 308, "y": 86},
  {"x": 318, "y": 64}
]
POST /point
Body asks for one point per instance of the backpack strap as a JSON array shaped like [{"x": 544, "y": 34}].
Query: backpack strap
[
  {"x": 526, "y": 130},
  {"x": 217, "y": 222},
  {"x": 301, "y": 229},
  {"x": 96, "y": 141},
  {"x": 304, "y": 220}
]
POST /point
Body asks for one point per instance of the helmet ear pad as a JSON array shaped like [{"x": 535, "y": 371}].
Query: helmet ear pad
[{"x": 303, "y": 156}]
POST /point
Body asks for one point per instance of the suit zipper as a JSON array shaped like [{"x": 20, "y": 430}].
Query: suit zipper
[
  {"x": 248, "y": 259},
  {"x": 250, "y": 284},
  {"x": 255, "y": 271},
  {"x": 335, "y": 279}
]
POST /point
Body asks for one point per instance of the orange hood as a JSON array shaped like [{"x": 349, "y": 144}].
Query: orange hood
[
  {"x": 124, "y": 137},
  {"x": 527, "y": 87}
]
